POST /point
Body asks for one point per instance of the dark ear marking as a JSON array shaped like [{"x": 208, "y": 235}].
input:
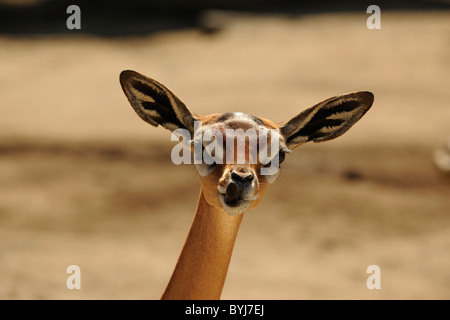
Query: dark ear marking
[
  {"x": 154, "y": 103},
  {"x": 326, "y": 120}
]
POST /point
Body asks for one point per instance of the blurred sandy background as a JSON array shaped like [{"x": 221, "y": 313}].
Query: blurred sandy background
[{"x": 84, "y": 181}]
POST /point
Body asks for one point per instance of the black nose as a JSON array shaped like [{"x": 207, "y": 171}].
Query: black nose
[{"x": 242, "y": 176}]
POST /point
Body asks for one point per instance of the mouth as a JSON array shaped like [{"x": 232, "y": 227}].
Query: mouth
[
  {"x": 234, "y": 207},
  {"x": 232, "y": 202}
]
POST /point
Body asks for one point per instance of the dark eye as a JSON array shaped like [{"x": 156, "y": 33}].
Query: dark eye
[
  {"x": 212, "y": 165},
  {"x": 281, "y": 157},
  {"x": 208, "y": 159}
]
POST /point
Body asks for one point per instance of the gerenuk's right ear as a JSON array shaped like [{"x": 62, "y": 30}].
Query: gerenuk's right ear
[
  {"x": 156, "y": 104},
  {"x": 326, "y": 120}
]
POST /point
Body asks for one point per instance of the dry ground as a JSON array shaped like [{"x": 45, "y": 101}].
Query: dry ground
[{"x": 84, "y": 181}]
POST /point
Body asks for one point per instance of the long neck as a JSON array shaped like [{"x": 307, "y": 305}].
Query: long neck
[{"x": 203, "y": 264}]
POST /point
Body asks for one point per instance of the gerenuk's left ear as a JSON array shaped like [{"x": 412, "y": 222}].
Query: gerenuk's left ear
[
  {"x": 156, "y": 104},
  {"x": 326, "y": 120}
]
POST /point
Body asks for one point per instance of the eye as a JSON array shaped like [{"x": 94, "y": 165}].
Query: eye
[
  {"x": 212, "y": 165},
  {"x": 281, "y": 157},
  {"x": 208, "y": 159}
]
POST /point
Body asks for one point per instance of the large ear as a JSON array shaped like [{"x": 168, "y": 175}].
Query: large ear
[
  {"x": 326, "y": 120},
  {"x": 154, "y": 103}
]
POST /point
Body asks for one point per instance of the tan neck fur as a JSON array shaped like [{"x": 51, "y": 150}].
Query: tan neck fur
[{"x": 203, "y": 264}]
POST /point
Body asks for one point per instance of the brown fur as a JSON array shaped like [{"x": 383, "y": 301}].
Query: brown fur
[{"x": 203, "y": 264}]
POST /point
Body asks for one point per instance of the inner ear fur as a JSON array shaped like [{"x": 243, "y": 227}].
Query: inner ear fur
[
  {"x": 154, "y": 103},
  {"x": 326, "y": 120}
]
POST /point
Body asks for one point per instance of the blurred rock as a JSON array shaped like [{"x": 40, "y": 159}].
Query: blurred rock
[{"x": 442, "y": 158}]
